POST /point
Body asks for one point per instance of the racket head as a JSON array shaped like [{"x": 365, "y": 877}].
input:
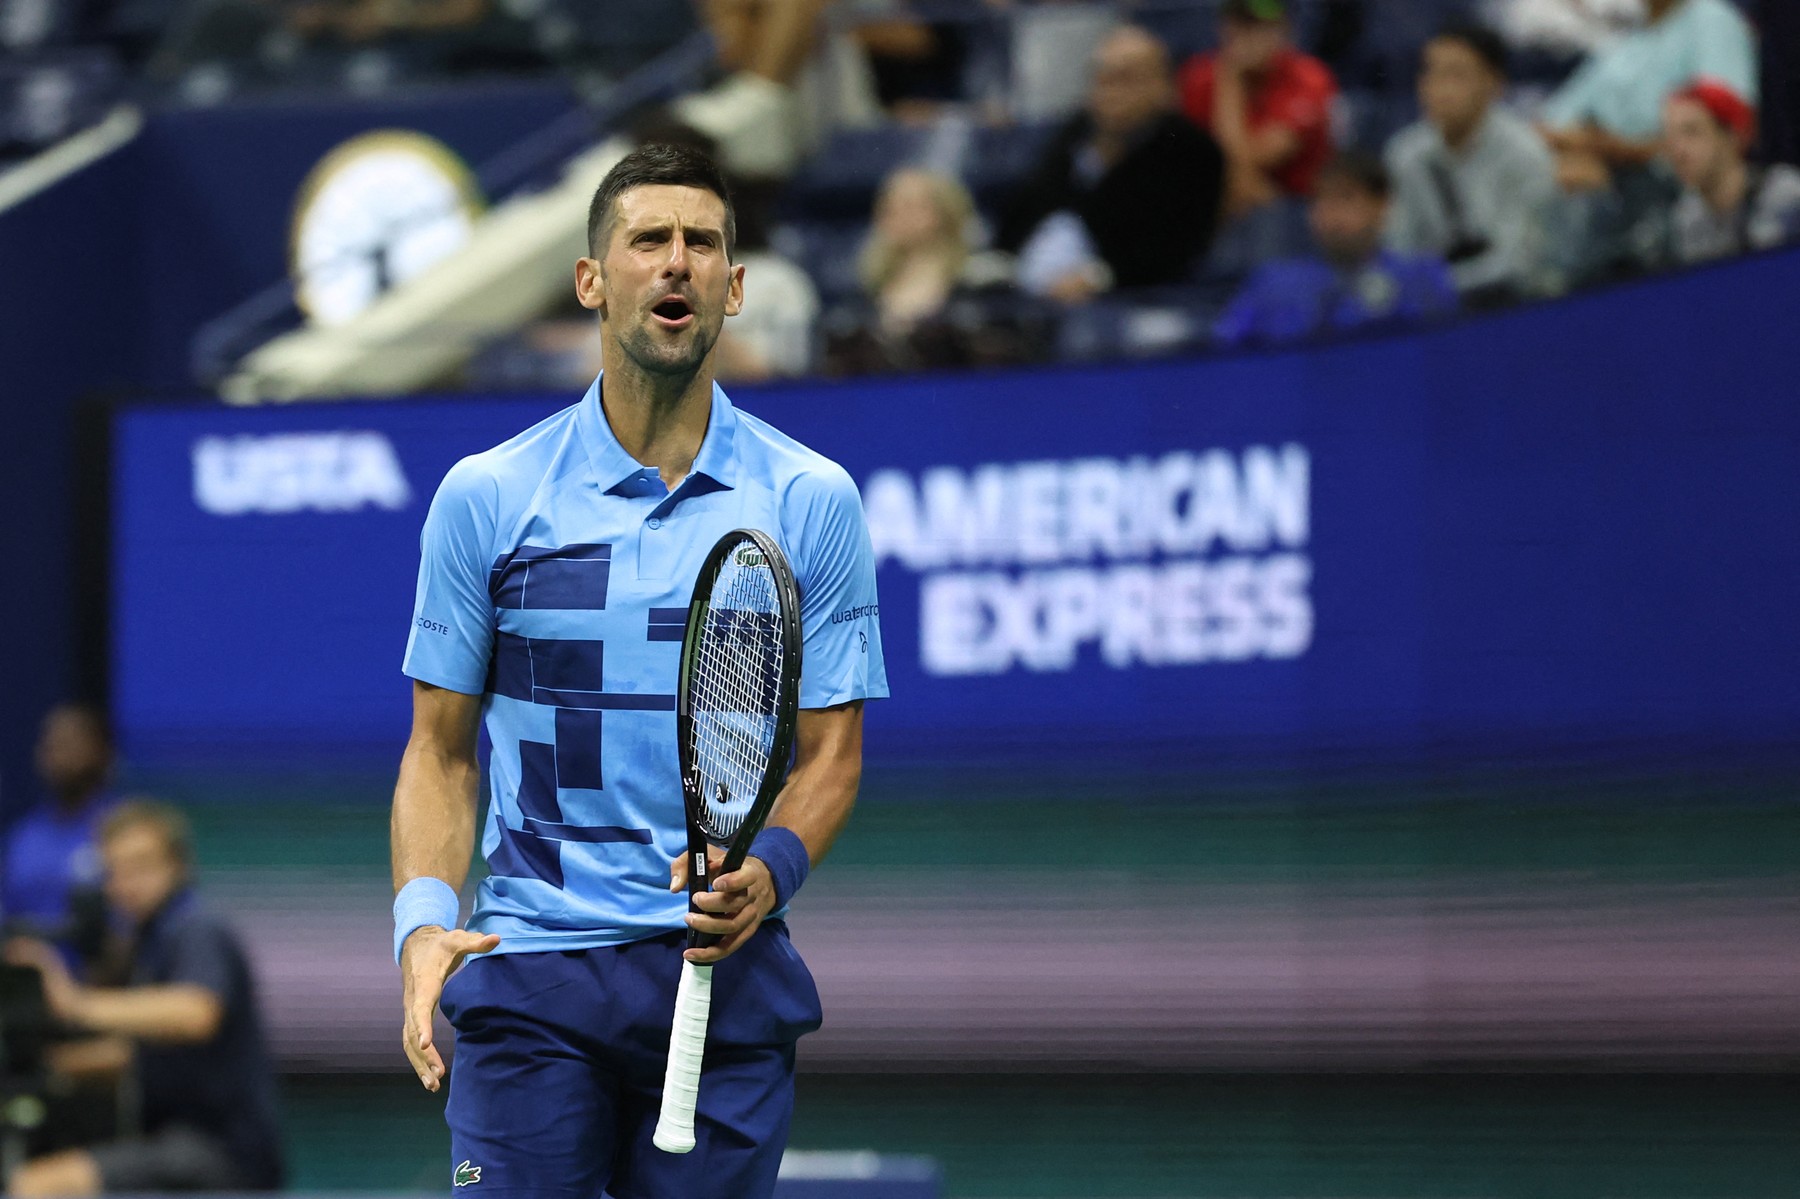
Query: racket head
[{"x": 739, "y": 692}]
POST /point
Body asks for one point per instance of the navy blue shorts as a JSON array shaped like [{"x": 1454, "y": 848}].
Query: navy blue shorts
[{"x": 557, "y": 1080}]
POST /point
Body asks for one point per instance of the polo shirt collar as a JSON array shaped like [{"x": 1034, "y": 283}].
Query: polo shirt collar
[
  {"x": 717, "y": 459},
  {"x": 615, "y": 468}
]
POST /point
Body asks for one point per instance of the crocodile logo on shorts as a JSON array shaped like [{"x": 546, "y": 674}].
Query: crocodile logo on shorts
[{"x": 466, "y": 1174}]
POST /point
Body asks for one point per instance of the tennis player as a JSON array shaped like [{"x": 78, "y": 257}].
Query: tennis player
[{"x": 554, "y": 578}]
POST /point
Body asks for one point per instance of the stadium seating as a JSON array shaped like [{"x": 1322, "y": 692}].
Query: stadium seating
[
  {"x": 47, "y": 95},
  {"x": 1151, "y": 323},
  {"x": 840, "y": 181},
  {"x": 827, "y": 250},
  {"x": 28, "y": 25},
  {"x": 64, "y": 66},
  {"x": 999, "y": 158}
]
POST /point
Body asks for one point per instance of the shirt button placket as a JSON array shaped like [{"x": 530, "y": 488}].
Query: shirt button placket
[{"x": 657, "y": 555}]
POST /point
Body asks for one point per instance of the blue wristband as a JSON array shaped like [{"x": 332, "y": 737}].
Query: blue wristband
[
  {"x": 420, "y": 902},
  {"x": 782, "y": 851}
]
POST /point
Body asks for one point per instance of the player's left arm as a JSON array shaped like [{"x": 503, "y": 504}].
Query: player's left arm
[
  {"x": 840, "y": 621},
  {"x": 821, "y": 789},
  {"x": 814, "y": 805}
]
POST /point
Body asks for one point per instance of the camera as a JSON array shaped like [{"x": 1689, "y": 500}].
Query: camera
[{"x": 25, "y": 1025}]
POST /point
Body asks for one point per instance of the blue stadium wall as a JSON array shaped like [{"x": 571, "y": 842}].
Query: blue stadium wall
[{"x": 1564, "y": 534}]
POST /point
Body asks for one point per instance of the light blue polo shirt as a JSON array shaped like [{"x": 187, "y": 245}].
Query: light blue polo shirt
[
  {"x": 554, "y": 577},
  {"x": 1622, "y": 86}
]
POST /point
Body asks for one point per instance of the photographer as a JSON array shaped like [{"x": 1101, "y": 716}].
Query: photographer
[
  {"x": 1471, "y": 180},
  {"x": 187, "y": 1025}
]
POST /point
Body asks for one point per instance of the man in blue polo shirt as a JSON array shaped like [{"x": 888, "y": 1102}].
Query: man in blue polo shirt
[
  {"x": 553, "y": 585},
  {"x": 50, "y": 865}
]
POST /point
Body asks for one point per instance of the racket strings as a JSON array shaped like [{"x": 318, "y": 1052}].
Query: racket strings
[
  {"x": 733, "y": 743},
  {"x": 734, "y": 681}
]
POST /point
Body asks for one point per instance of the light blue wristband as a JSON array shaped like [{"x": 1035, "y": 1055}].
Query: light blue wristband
[{"x": 421, "y": 902}]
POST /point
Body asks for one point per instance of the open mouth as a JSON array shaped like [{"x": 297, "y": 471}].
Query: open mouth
[{"x": 673, "y": 313}]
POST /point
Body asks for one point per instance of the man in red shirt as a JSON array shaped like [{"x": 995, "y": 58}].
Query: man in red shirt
[{"x": 1268, "y": 104}]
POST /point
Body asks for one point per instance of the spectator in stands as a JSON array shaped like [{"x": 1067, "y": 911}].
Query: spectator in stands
[
  {"x": 1471, "y": 180},
  {"x": 1356, "y": 285},
  {"x": 1728, "y": 205},
  {"x": 188, "y": 1019},
  {"x": 50, "y": 883},
  {"x": 1562, "y": 26},
  {"x": 1127, "y": 193},
  {"x": 1608, "y": 116},
  {"x": 1267, "y": 103},
  {"x": 917, "y": 250},
  {"x": 1605, "y": 127},
  {"x": 917, "y": 64},
  {"x": 773, "y": 336},
  {"x": 919, "y": 261},
  {"x": 754, "y": 113}
]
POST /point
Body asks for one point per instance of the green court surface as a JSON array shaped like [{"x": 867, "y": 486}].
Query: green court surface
[
  {"x": 1650, "y": 833},
  {"x": 1160, "y": 1136}
]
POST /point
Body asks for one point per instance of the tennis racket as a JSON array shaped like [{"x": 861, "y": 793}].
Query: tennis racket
[{"x": 734, "y": 719}]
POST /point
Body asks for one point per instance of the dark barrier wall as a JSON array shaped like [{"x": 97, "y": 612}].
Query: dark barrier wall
[
  {"x": 1566, "y": 530},
  {"x": 60, "y": 309}
]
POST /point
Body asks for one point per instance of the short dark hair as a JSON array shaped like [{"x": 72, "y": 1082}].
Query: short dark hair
[
  {"x": 650, "y": 165},
  {"x": 163, "y": 819},
  {"x": 1361, "y": 168},
  {"x": 1487, "y": 45}
]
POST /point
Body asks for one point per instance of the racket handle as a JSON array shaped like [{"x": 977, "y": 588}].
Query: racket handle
[{"x": 687, "y": 1044}]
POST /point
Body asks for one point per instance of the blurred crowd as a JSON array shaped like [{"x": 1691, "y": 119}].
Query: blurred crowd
[
  {"x": 1235, "y": 194},
  {"x": 949, "y": 183}
]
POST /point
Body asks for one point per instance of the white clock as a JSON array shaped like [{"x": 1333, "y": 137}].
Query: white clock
[{"x": 376, "y": 211}]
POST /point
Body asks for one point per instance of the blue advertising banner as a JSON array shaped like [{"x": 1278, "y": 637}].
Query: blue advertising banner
[{"x": 1493, "y": 538}]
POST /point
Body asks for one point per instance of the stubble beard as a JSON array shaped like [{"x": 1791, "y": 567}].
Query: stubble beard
[{"x": 653, "y": 354}]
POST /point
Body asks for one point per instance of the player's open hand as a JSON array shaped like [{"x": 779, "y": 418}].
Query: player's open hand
[
  {"x": 732, "y": 910},
  {"x": 430, "y": 956}
]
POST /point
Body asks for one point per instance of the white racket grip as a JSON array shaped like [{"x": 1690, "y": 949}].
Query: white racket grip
[{"x": 687, "y": 1044}]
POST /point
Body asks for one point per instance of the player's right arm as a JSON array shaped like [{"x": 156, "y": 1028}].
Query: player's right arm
[
  {"x": 433, "y": 835},
  {"x": 447, "y": 656}
]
